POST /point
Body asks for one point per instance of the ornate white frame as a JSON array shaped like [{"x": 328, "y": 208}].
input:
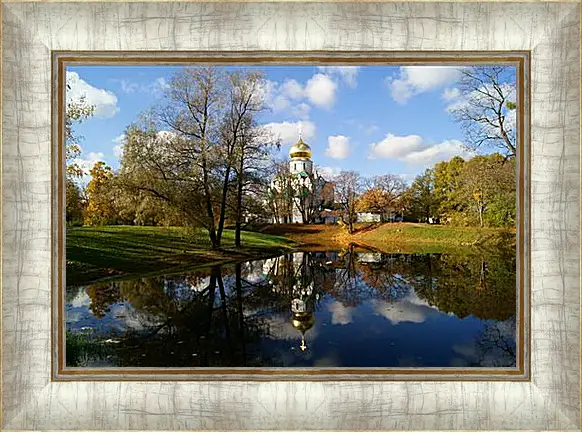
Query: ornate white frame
[{"x": 31, "y": 400}]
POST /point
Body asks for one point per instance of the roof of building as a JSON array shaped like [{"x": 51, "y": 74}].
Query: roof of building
[{"x": 300, "y": 150}]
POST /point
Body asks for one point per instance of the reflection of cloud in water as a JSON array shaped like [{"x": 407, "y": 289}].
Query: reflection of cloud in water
[
  {"x": 75, "y": 316},
  {"x": 255, "y": 276},
  {"x": 254, "y": 272},
  {"x": 82, "y": 299},
  {"x": 410, "y": 309},
  {"x": 132, "y": 318},
  {"x": 340, "y": 314}
]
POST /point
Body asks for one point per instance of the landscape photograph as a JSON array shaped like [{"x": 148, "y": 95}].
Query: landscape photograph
[{"x": 290, "y": 216}]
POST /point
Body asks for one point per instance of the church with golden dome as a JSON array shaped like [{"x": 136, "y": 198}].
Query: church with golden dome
[{"x": 309, "y": 192}]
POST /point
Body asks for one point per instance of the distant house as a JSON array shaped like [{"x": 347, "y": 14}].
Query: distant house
[
  {"x": 368, "y": 217},
  {"x": 369, "y": 257},
  {"x": 328, "y": 216}
]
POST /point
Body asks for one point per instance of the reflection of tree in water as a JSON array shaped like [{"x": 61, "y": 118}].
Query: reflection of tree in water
[
  {"x": 496, "y": 346},
  {"x": 102, "y": 296},
  {"x": 296, "y": 282},
  {"x": 219, "y": 317},
  {"x": 479, "y": 285},
  {"x": 207, "y": 327},
  {"x": 388, "y": 274}
]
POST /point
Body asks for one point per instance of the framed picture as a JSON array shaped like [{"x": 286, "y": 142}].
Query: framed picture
[{"x": 288, "y": 215}]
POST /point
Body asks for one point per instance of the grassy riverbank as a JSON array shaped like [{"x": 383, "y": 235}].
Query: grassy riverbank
[
  {"x": 94, "y": 253},
  {"x": 397, "y": 237}
]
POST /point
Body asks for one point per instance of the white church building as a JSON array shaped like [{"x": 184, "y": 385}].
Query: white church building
[{"x": 310, "y": 191}]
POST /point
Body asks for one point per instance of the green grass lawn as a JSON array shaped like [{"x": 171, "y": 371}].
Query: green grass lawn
[
  {"x": 425, "y": 237},
  {"x": 94, "y": 253}
]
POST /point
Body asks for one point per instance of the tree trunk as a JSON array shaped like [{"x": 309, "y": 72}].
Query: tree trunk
[
  {"x": 239, "y": 193},
  {"x": 241, "y": 317},
  {"x": 223, "y": 204},
  {"x": 224, "y": 309},
  {"x": 214, "y": 240}
]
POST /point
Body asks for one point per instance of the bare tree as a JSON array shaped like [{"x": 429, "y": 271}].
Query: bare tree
[
  {"x": 486, "y": 107},
  {"x": 192, "y": 111},
  {"x": 348, "y": 185},
  {"x": 251, "y": 143}
]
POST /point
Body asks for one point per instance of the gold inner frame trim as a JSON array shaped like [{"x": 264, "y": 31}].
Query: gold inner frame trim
[{"x": 156, "y": 58}]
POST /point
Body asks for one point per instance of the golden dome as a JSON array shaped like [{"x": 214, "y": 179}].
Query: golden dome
[
  {"x": 303, "y": 321},
  {"x": 300, "y": 150}
]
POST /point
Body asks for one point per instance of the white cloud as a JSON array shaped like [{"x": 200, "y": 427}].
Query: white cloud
[
  {"x": 396, "y": 147},
  {"x": 292, "y": 89},
  {"x": 81, "y": 299},
  {"x": 340, "y": 314},
  {"x": 338, "y": 147},
  {"x": 118, "y": 147},
  {"x": 155, "y": 87},
  {"x": 118, "y": 151},
  {"x": 320, "y": 90},
  {"x": 285, "y": 97},
  {"x": 86, "y": 164},
  {"x": 348, "y": 74},
  {"x": 328, "y": 172},
  {"x": 288, "y": 132},
  {"x": 105, "y": 101},
  {"x": 292, "y": 96},
  {"x": 413, "y": 80},
  {"x": 414, "y": 150},
  {"x": 451, "y": 94},
  {"x": 437, "y": 152},
  {"x": 301, "y": 111}
]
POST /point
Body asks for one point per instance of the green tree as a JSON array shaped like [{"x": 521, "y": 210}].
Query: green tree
[
  {"x": 74, "y": 203},
  {"x": 447, "y": 187},
  {"x": 489, "y": 190},
  {"x": 421, "y": 199}
]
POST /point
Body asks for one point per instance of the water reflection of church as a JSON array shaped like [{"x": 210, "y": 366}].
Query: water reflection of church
[{"x": 300, "y": 278}]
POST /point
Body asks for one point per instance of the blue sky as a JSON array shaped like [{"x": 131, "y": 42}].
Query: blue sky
[{"x": 373, "y": 119}]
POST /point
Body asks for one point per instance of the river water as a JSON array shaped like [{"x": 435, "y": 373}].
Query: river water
[{"x": 322, "y": 309}]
